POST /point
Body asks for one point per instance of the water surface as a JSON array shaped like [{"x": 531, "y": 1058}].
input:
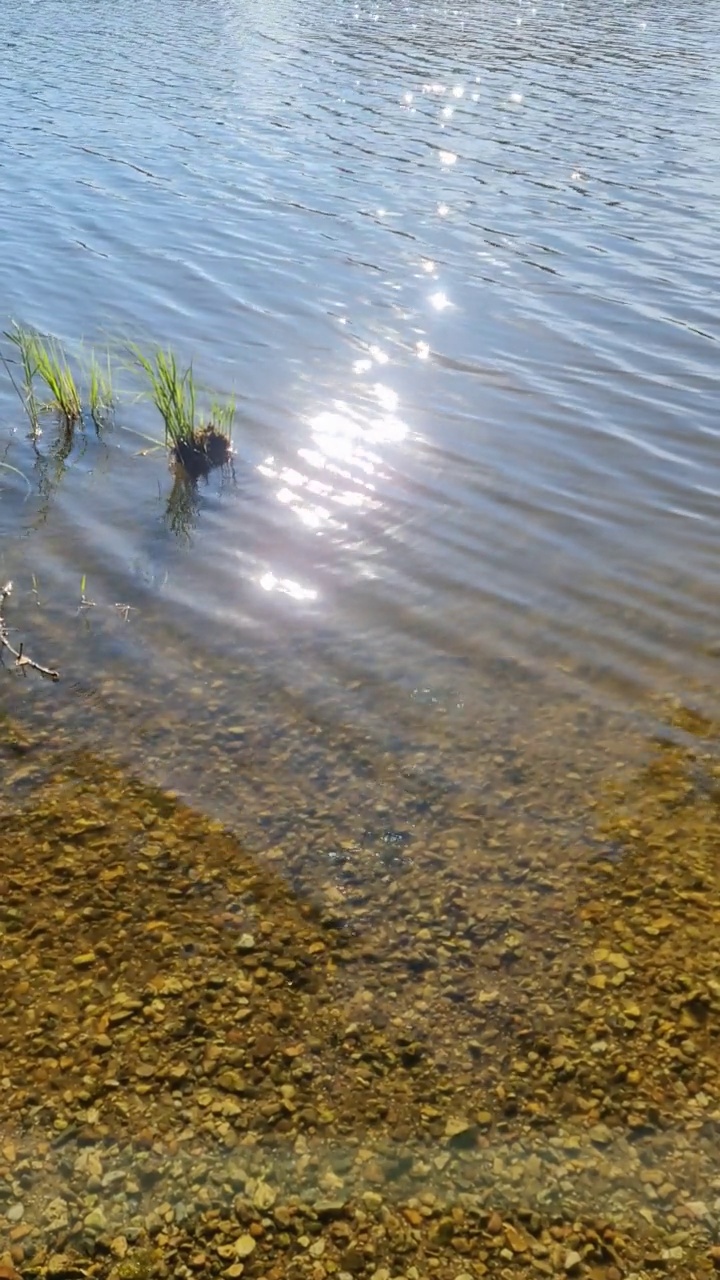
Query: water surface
[
  {"x": 424, "y": 869},
  {"x": 459, "y": 265}
]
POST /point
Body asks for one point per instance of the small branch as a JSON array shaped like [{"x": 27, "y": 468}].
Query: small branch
[{"x": 21, "y": 660}]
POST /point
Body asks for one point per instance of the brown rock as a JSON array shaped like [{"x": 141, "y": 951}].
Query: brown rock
[
  {"x": 263, "y": 1048},
  {"x": 517, "y": 1241},
  {"x": 353, "y": 1260},
  {"x": 413, "y": 1217}
]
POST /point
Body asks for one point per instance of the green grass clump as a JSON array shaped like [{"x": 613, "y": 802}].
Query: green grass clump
[
  {"x": 197, "y": 447},
  {"x": 197, "y": 443},
  {"x": 172, "y": 392},
  {"x": 222, "y": 416},
  {"x": 43, "y": 358},
  {"x": 22, "y": 340},
  {"x": 101, "y": 397}
]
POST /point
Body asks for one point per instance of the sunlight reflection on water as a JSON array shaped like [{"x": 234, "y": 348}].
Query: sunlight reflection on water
[{"x": 462, "y": 289}]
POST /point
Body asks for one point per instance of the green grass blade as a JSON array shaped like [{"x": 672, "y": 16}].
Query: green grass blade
[
  {"x": 43, "y": 359},
  {"x": 172, "y": 393},
  {"x": 101, "y": 393}
]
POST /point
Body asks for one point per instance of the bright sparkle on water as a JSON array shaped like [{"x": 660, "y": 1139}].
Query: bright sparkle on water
[{"x": 288, "y": 587}]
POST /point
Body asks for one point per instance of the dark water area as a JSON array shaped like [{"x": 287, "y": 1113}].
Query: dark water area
[{"x": 401, "y": 738}]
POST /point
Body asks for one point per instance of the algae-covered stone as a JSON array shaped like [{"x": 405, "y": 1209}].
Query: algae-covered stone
[{"x": 95, "y": 1221}]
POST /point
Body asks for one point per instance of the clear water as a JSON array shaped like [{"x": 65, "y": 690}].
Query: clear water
[{"x": 459, "y": 265}]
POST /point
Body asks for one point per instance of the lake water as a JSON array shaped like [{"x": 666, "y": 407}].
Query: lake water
[
  {"x": 459, "y": 266},
  {"x": 431, "y": 916}
]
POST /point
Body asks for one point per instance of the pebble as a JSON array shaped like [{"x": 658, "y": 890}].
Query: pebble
[
  {"x": 245, "y": 1245},
  {"x": 57, "y": 1265},
  {"x": 518, "y": 1242},
  {"x": 330, "y": 1208},
  {"x": 95, "y": 1220},
  {"x": 231, "y": 1081},
  {"x": 319, "y": 1050},
  {"x": 56, "y": 1214},
  {"x": 457, "y": 1125},
  {"x": 264, "y": 1196},
  {"x": 15, "y": 1212}
]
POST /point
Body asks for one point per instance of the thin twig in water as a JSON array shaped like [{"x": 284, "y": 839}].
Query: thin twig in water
[{"x": 21, "y": 660}]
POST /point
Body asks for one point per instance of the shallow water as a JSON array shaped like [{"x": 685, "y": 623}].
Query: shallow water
[{"x": 432, "y": 674}]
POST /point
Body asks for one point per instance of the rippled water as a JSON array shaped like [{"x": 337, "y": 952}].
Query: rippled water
[{"x": 459, "y": 265}]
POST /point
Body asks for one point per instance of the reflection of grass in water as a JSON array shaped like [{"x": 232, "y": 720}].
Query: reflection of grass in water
[
  {"x": 183, "y": 502},
  {"x": 51, "y": 465},
  {"x": 182, "y": 506}
]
